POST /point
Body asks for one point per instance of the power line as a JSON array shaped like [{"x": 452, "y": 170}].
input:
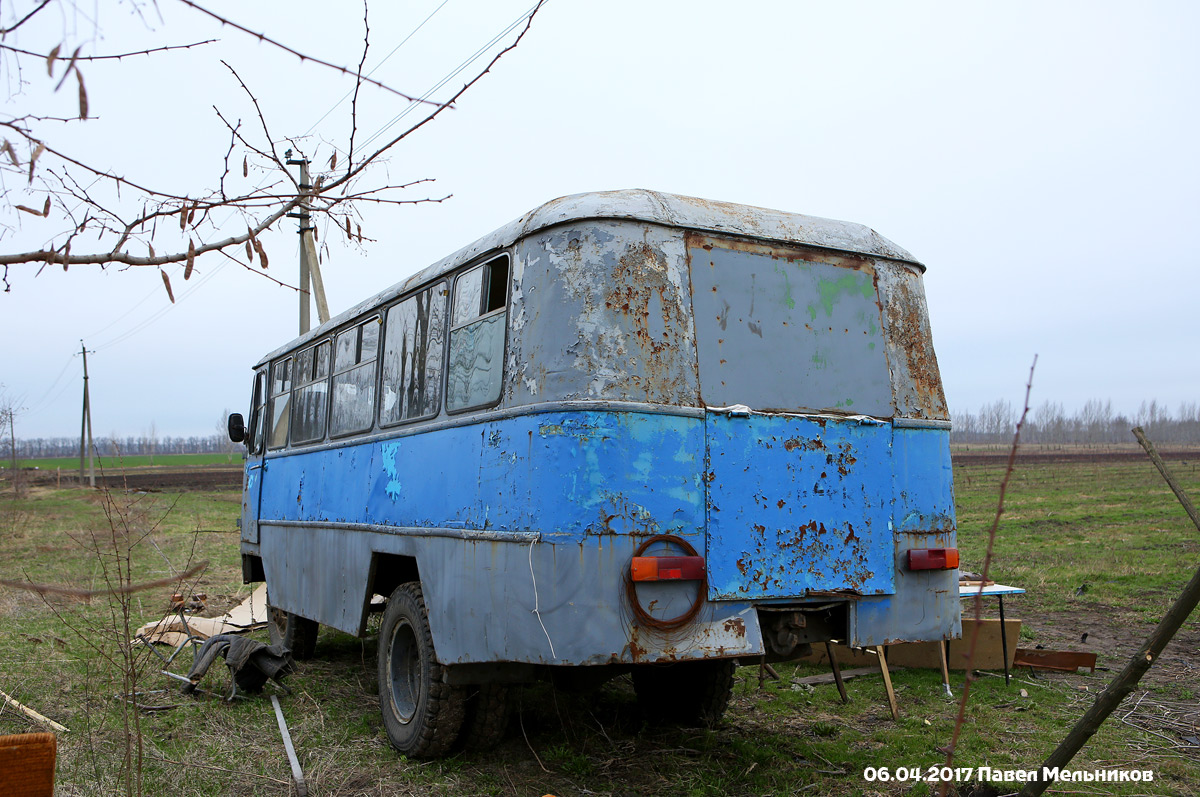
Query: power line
[
  {"x": 451, "y": 75},
  {"x": 376, "y": 68},
  {"x": 162, "y": 311},
  {"x": 38, "y": 404}
]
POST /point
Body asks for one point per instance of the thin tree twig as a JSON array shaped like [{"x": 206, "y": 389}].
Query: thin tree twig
[{"x": 944, "y": 786}]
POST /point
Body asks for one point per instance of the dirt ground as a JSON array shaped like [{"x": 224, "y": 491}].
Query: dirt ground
[{"x": 208, "y": 477}]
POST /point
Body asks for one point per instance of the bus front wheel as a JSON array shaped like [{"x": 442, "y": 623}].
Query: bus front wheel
[
  {"x": 298, "y": 634},
  {"x": 421, "y": 713}
]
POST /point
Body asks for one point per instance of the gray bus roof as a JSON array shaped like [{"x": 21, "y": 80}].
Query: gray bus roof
[{"x": 654, "y": 207}]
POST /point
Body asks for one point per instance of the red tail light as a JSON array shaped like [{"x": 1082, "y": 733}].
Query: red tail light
[
  {"x": 665, "y": 568},
  {"x": 933, "y": 559}
]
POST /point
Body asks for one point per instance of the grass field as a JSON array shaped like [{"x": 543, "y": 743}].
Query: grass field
[
  {"x": 135, "y": 461},
  {"x": 1101, "y": 547}
]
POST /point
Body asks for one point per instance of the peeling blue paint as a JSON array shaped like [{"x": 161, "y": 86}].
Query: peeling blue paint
[{"x": 390, "y": 451}]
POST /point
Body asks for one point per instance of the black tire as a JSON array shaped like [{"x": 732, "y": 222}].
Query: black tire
[
  {"x": 694, "y": 693},
  {"x": 421, "y": 714},
  {"x": 297, "y": 634},
  {"x": 486, "y": 717}
]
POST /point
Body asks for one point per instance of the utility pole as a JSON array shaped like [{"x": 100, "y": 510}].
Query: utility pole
[
  {"x": 310, "y": 269},
  {"x": 85, "y": 425},
  {"x": 12, "y": 441}
]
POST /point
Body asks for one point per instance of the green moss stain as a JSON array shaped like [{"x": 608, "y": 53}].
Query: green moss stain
[{"x": 831, "y": 290}]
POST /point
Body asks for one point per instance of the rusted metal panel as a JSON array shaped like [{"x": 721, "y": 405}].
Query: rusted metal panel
[
  {"x": 916, "y": 380},
  {"x": 780, "y": 330},
  {"x": 797, "y": 505},
  {"x": 602, "y": 312}
]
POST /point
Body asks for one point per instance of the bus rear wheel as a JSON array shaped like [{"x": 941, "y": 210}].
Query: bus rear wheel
[
  {"x": 296, "y": 633},
  {"x": 694, "y": 693},
  {"x": 421, "y": 714},
  {"x": 485, "y": 719}
]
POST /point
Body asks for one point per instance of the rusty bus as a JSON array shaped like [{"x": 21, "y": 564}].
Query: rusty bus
[{"x": 629, "y": 432}]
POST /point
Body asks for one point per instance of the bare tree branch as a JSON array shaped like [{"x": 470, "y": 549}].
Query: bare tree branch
[
  {"x": 26, "y": 18},
  {"x": 262, "y": 37},
  {"x": 357, "y": 86},
  {"x": 116, "y": 57},
  {"x": 51, "y": 256},
  {"x": 50, "y": 181}
]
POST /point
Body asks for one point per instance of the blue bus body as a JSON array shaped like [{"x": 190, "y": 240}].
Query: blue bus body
[{"x": 617, "y": 375}]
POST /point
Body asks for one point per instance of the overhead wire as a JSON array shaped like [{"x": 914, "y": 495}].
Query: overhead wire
[
  {"x": 451, "y": 75},
  {"x": 38, "y": 404},
  {"x": 44, "y": 404},
  {"x": 376, "y": 68}
]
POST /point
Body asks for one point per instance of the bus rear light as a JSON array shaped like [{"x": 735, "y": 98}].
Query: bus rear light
[
  {"x": 667, "y": 568},
  {"x": 933, "y": 559}
]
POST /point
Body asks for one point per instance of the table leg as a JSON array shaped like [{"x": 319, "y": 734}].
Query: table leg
[
  {"x": 945, "y": 648},
  {"x": 1003, "y": 639}
]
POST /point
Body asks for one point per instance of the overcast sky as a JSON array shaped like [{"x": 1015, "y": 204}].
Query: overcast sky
[{"x": 1039, "y": 158}]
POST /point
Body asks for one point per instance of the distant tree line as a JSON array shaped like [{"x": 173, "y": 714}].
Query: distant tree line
[
  {"x": 1096, "y": 422},
  {"x": 112, "y": 447}
]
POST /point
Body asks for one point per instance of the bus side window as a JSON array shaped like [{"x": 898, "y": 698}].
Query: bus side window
[
  {"x": 412, "y": 357},
  {"x": 354, "y": 378},
  {"x": 281, "y": 393},
  {"x": 312, "y": 389},
  {"x": 477, "y": 336},
  {"x": 258, "y": 403}
]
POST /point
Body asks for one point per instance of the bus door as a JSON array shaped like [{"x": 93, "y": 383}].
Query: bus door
[
  {"x": 255, "y": 447},
  {"x": 793, "y": 371}
]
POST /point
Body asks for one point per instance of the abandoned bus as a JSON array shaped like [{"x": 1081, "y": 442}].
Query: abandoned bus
[{"x": 627, "y": 432}]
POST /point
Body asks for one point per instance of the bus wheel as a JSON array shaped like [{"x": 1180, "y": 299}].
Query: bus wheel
[
  {"x": 296, "y": 633},
  {"x": 486, "y": 718},
  {"x": 689, "y": 693},
  {"x": 421, "y": 713}
]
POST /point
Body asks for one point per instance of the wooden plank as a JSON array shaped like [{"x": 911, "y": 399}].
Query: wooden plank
[
  {"x": 28, "y": 712},
  {"x": 1060, "y": 660},
  {"x": 837, "y": 672},
  {"x": 27, "y": 764},
  {"x": 887, "y": 682},
  {"x": 297, "y": 775}
]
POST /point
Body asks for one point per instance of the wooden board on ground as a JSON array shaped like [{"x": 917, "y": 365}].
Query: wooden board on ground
[
  {"x": 924, "y": 655},
  {"x": 1061, "y": 660}
]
